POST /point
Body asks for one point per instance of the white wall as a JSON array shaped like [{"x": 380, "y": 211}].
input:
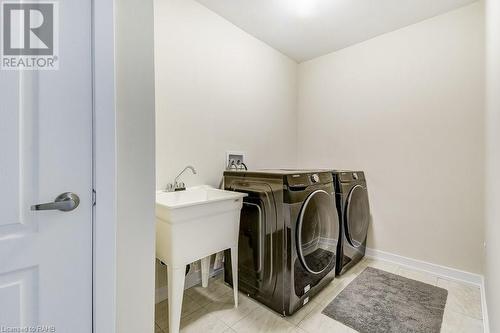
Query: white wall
[
  {"x": 219, "y": 89},
  {"x": 407, "y": 107},
  {"x": 493, "y": 163},
  {"x": 135, "y": 157}
]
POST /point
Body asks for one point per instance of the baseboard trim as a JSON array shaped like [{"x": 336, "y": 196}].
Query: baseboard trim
[
  {"x": 161, "y": 294},
  {"x": 192, "y": 280},
  {"x": 440, "y": 271},
  {"x": 484, "y": 307}
]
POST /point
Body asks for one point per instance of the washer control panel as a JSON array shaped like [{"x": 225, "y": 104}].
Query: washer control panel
[{"x": 306, "y": 179}]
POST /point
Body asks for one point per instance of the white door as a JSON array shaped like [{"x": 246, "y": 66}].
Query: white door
[{"x": 46, "y": 150}]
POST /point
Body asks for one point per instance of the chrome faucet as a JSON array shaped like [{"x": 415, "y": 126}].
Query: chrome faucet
[{"x": 180, "y": 186}]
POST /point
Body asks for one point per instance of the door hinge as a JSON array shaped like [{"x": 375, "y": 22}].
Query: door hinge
[{"x": 94, "y": 195}]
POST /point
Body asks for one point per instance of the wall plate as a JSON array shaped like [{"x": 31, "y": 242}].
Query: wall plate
[{"x": 234, "y": 158}]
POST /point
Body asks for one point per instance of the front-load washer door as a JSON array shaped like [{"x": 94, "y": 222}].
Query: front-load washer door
[
  {"x": 317, "y": 232},
  {"x": 357, "y": 216}
]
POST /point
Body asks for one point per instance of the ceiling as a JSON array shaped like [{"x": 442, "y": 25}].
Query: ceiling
[{"x": 305, "y": 29}]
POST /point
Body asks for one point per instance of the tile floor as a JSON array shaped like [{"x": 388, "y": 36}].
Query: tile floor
[{"x": 211, "y": 310}]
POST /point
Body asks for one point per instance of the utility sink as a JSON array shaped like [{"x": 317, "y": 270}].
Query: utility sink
[
  {"x": 175, "y": 207},
  {"x": 191, "y": 225},
  {"x": 193, "y": 222}
]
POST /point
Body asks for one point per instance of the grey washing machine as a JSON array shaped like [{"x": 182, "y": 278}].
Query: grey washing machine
[
  {"x": 288, "y": 235},
  {"x": 354, "y": 215}
]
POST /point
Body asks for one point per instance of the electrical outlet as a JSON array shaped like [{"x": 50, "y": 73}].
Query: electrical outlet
[{"x": 234, "y": 160}]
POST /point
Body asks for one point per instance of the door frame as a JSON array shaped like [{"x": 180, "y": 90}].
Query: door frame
[
  {"x": 104, "y": 226},
  {"x": 124, "y": 214}
]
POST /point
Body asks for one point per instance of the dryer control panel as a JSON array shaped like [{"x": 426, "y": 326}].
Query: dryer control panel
[{"x": 349, "y": 176}]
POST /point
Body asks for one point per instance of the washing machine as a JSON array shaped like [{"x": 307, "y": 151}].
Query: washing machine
[
  {"x": 288, "y": 236},
  {"x": 354, "y": 214}
]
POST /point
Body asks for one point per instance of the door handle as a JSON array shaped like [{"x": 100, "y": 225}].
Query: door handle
[{"x": 65, "y": 202}]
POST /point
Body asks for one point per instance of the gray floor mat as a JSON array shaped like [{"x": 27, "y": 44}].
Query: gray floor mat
[{"x": 381, "y": 302}]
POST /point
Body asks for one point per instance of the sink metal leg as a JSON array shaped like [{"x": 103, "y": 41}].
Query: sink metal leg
[
  {"x": 205, "y": 271},
  {"x": 175, "y": 294},
  {"x": 234, "y": 268}
]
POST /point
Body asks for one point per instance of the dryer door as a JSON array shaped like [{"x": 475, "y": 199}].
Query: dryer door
[
  {"x": 357, "y": 216},
  {"x": 317, "y": 232}
]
